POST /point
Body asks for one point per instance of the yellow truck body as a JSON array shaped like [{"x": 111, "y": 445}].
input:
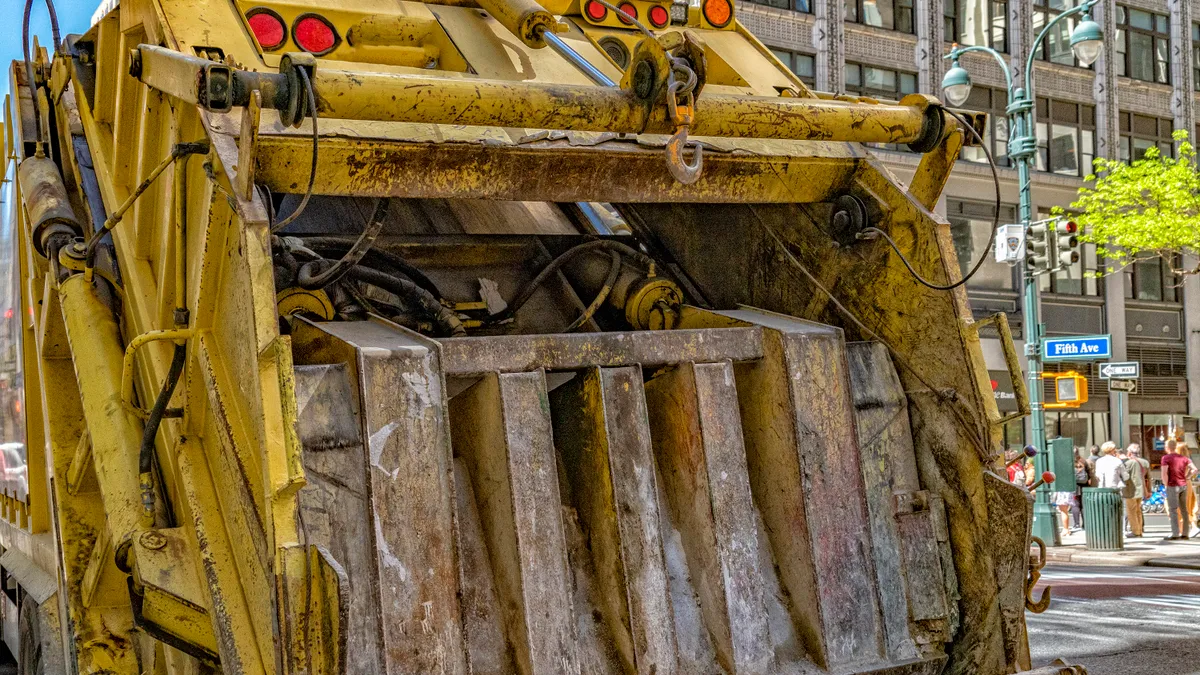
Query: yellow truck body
[{"x": 401, "y": 337}]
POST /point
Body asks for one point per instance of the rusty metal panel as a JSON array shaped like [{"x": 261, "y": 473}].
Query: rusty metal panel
[
  {"x": 1010, "y": 524},
  {"x": 602, "y": 430},
  {"x": 804, "y": 467},
  {"x": 334, "y": 503},
  {"x": 503, "y": 432},
  {"x": 888, "y": 466},
  {"x": 523, "y": 353},
  {"x": 407, "y": 494},
  {"x": 702, "y": 464},
  {"x": 919, "y": 552}
]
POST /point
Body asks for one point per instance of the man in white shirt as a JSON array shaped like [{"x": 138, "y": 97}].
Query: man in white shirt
[{"x": 1110, "y": 470}]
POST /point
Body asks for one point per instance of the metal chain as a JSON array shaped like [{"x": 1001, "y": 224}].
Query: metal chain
[{"x": 681, "y": 100}]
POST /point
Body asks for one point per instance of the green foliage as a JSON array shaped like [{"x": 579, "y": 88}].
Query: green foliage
[{"x": 1150, "y": 207}]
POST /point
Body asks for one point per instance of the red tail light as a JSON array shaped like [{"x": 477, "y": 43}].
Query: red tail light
[
  {"x": 627, "y": 8},
  {"x": 659, "y": 16},
  {"x": 595, "y": 11},
  {"x": 314, "y": 34},
  {"x": 718, "y": 12},
  {"x": 268, "y": 28}
]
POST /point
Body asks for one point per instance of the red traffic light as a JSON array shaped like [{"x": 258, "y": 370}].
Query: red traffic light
[{"x": 1070, "y": 227}]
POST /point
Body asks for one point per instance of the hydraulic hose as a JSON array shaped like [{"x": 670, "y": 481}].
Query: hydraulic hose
[
  {"x": 443, "y": 319},
  {"x": 599, "y": 245},
  {"x": 153, "y": 421},
  {"x": 311, "y": 280},
  {"x": 375, "y": 257}
]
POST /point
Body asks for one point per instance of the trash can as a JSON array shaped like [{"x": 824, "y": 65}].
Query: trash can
[{"x": 1103, "y": 512}]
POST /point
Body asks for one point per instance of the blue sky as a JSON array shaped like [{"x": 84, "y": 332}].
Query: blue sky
[{"x": 74, "y": 16}]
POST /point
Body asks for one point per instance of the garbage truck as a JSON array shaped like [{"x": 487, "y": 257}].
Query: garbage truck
[{"x": 488, "y": 336}]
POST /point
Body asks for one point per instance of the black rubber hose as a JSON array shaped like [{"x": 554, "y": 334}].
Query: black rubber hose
[
  {"x": 312, "y": 277},
  {"x": 154, "y": 420},
  {"x": 443, "y": 319},
  {"x": 526, "y": 292},
  {"x": 376, "y": 257}
]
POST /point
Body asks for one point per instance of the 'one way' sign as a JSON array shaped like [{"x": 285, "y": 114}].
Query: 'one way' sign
[{"x": 1124, "y": 370}]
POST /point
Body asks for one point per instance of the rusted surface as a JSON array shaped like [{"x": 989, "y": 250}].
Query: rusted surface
[
  {"x": 603, "y": 434},
  {"x": 503, "y": 432},
  {"x": 405, "y": 454},
  {"x": 888, "y": 466},
  {"x": 702, "y": 464},
  {"x": 1010, "y": 530},
  {"x": 522, "y": 353},
  {"x": 531, "y": 170},
  {"x": 804, "y": 466},
  {"x": 732, "y": 255}
]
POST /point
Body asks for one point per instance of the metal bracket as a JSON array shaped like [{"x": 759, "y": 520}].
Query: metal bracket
[{"x": 1012, "y": 361}]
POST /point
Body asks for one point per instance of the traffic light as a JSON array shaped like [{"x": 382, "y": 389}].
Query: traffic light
[
  {"x": 1070, "y": 389},
  {"x": 1066, "y": 243},
  {"x": 1039, "y": 251}
]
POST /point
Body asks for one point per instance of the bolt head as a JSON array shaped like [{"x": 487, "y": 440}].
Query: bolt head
[{"x": 152, "y": 539}]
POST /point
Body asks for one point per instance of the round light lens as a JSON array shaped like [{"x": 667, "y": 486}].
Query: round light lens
[
  {"x": 595, "y": 11},
  {"x": 267, "y": 27},
  {"x": 659, "y": 16},
  {"x": 956, "y": 85},
  {"x": 1088, "y": 51},
  {"x": 315, "y": 35},
  {"x": 627, "y": 8},
  {"x": 1086, "y": 40},
  {"x": 718, "y": 12}
]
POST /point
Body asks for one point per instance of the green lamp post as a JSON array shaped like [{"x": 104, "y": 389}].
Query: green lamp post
[{"x": 1086, "y": 41}]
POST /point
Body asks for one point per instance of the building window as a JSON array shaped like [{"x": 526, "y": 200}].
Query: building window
[
  {"x": 977, "y": 22},
  {"x": 993, "y": 102},
  {"x": 1056, "y": 47},
  {"x": 1139, "y": 133},
  {"x": 971, "y": 232},
  {"x": 1150, "y": 278},
  {"x": 804, "y": 6},
  {"x": 803, "y": 65},
  {"x": 879, "y": 82},
  {"x": 889, "y": 14},
  {"x": 1196, "y": 55},
  {"x": 1143, "y": 45},
  {"x": 1066, "y": 137}
]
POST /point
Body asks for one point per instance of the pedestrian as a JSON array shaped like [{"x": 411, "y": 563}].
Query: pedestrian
[
  {"x": 1189, "y": 504},
  {"x": 1091, "y": 463},
  {"x": 1175, "y": 477},
  {"x": 1110, "y": 470},
  {"x": 1136, "y": 489},
  {"x": 1016, "y": 470},
  {"x": 1082, "y": 478}
]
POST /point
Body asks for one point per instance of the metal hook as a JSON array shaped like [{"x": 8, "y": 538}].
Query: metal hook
[
  {"x": 685, "y": 172},
  {"x": 1043, "y": 603}
]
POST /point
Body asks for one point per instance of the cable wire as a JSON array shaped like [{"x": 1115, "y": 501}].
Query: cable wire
[
  {"x": 614, "y": 271},
  {"x": 866, "y": 231},
  {"x": 312, "y": 172}
]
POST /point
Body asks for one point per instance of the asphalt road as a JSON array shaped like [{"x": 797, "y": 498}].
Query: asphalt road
[{"x": 1120, "y": 620}]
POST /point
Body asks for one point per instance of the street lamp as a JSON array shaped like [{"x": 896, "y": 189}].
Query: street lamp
[{"x": 1086, "y": 41}]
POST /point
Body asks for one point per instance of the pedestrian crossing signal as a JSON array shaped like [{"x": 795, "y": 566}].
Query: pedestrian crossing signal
[{"x": 1070, "y": 390}]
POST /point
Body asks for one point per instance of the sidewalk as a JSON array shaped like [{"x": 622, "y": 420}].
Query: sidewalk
[{"x": 1149, "y": 549}]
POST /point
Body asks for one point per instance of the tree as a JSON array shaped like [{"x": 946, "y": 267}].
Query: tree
[{"x": 1148, "y": 208}]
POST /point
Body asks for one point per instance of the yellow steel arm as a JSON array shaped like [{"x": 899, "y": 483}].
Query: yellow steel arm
[{"x": 395, "y": 97}]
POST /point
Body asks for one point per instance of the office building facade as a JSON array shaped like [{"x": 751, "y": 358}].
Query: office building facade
[{"x": 1143, "y": 87}]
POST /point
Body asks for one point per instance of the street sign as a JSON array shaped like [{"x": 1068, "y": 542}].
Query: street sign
[
  {"x": 1129, "y": 386},
  {"x": 1077, "y": 348},
  {"x": 1120, "y": 370}
]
